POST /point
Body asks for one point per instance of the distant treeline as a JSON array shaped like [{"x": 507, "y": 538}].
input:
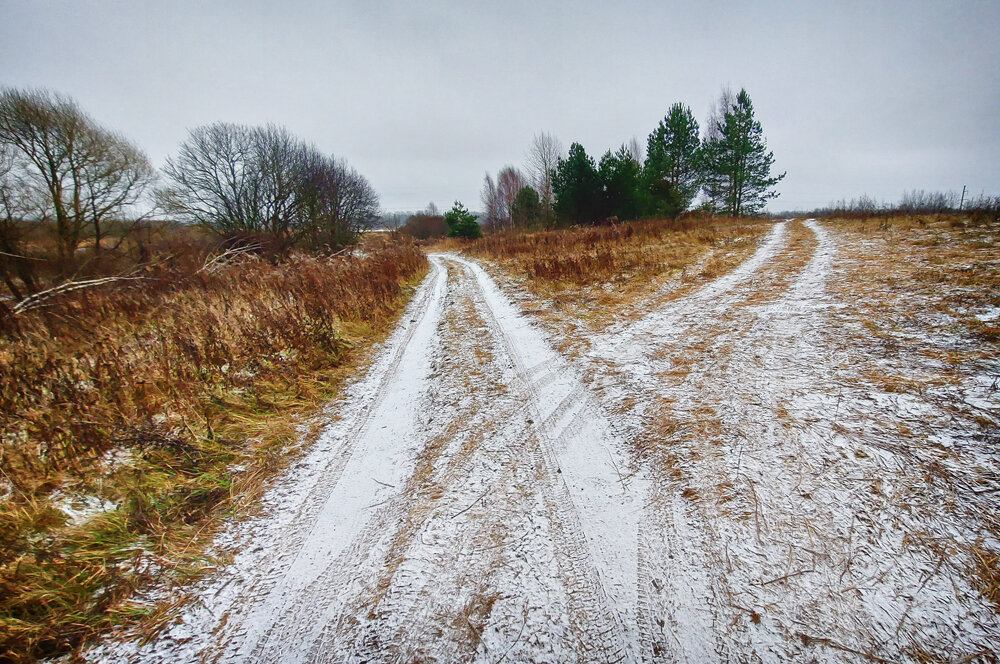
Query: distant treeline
[
  {"x": 917, "y": 201},
  {"x": 429, "y": 223}
]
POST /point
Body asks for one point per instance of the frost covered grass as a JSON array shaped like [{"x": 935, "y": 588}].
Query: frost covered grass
[
  {"x": 134, "y": 415},
  {"x": 820, "y": 431},
  {"x": 925, "y": 292},
  {"x": 934, "y": 271},
  {"x": 599, "y": 273}
]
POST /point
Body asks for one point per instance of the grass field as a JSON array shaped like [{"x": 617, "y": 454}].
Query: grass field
[
  {"x": 137, "y": 413},
  {"x": 593, "y": 276}
]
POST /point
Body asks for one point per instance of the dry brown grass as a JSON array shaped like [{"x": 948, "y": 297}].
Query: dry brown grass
[
  {"x": 659, "y": 438},
  {"x": 987, "y": 573},
  {"x": 918, "y": 287},
  {"x": 172, "y": 400},
  {"x": 922, "y": 266},
  {"x": 598, "y": 274}
]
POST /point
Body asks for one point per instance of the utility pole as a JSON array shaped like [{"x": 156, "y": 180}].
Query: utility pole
[{"x": 962, "y": 202}]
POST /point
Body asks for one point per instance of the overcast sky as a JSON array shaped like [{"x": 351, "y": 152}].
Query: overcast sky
[{"x": 425, "y": 97}]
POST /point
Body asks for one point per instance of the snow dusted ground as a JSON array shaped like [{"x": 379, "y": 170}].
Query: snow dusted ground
[
  {"x": 723, "y": 479},
  {"x": 790, "y": 516},
  {"x": 471, "y": 503}
]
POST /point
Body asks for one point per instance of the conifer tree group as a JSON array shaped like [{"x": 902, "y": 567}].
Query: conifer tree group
[
  {"x": 730, "y": 167},
  {"x": 736, "y": 158}
]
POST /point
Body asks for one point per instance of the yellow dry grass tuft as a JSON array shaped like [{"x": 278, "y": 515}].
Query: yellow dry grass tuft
[{"x": 986, "y": 572}]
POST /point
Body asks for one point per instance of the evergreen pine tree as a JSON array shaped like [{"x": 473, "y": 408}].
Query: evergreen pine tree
[
  {"x": 461, "y": 222},
  {"x": 671, "y": 172},
  {"x": 577, "y": 187},
  {"x": 526, "y": 210},
  {"x": 737, "y": 164},
  {"x": 619, "y": 174}
]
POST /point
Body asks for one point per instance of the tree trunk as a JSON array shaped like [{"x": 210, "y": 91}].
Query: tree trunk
[
  {"x": 97, "y": 236},
  {"x": 11, "y": 285}
]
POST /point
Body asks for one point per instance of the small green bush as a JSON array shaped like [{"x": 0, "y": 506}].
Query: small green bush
[{"x": 461, "y": 222}]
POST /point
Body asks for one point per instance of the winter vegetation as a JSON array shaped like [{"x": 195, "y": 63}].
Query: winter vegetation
[
  {"x": 755, "y": 391},
  {"x": 262, "y": 182},
  {"x": 461, "y": 222},
  {"x": 914, "y": 202},
  {"x": 729, "y": 167},
  {"x": 67, "y": 177},
  {"x": 595, "y": 273},
  {"x": 155, "y": 354},
  {"x": 425, "y": 226}
]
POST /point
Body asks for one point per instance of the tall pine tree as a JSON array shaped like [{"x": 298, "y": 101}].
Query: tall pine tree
[
  {"x": 619, "y": 173},
  {"x": 671, "y": 172},
  {"x": 736, "y": 161},
  {"x": 577, "y": 187}
]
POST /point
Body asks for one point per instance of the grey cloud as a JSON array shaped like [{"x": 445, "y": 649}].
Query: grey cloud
[{"x": 423, "y": 98}]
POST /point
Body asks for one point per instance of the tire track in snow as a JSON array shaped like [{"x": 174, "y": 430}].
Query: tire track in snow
[
  {"x": 442, "y": 586},
  {"x": 747, "y": 393},
  {"x": 338, "y": 506},
  {"x": 394, "y": 540},
  {"x": 236, "y": 607},
  {"x": 597, "y": 634},
  {"x": 688, "y": 311},
  {"x": 806, "y": 521},
  {"x": 537, "y": 542},
  {"x": 726, "y": 502},
  {"x": 678, "y": 595},
  {"x": 596, "y": 512}
]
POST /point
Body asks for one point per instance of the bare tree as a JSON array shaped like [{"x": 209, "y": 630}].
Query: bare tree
[
  {"x": 715, "y": 187},
  {"x": 85, "y": 174},
  {"x": 240, "y": 180},
  {"x": 340, "y": 203},
  {"x": 280, "y": 163},
  {"x": 543, "y": 155},
  {"x": 115, "y": 174},
  {"x": 213, "y": 179},
  {"x": 717, "y": 113},
  {"x": 16, "y": 211},
  {"x": 509, "y": 182},
  {"x": 492, "y": 204},
  {"x": 635, "y": 150}
]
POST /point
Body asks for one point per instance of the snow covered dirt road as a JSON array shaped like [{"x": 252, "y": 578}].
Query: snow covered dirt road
[
  {"x": 472, "y": 503},
  {"x": 790, "y": 515},
  {"x": 723, "y": 479}
]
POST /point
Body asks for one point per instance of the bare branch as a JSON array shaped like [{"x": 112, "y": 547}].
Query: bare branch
[
  {"x": 219, "y": 261},
  {"x": 38, "y": 299}
]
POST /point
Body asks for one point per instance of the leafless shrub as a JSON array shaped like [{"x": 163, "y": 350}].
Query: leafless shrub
[{"x": 237, "y": 180}]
